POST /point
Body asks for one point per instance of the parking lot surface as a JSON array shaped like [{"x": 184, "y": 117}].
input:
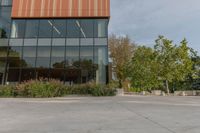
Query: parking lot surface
[{"x": 128, "y": 114}]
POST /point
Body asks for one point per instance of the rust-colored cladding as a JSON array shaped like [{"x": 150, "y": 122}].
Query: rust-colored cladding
[{"x": 60, "y": 8}]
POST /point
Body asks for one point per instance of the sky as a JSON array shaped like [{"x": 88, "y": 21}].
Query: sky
[{"x": 144, "y": 20}]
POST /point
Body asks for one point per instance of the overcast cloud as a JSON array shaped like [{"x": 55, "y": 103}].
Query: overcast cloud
[{"x": 144, "y": 20}]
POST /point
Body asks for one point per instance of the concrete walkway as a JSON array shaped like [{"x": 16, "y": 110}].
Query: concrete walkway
[{"x": 128, "y": 114}]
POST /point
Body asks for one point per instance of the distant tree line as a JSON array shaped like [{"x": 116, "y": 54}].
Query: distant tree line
[{"x": 166, "y": 66}]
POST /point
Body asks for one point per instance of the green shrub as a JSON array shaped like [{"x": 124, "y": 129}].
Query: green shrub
[
  {"x": 53, "y": 88},
  {"x": 92, "y": 89},
  {"x": 7, "y": 91},
  {"x": 100, "y": 90},
  {"x": 40, "y": 88}
]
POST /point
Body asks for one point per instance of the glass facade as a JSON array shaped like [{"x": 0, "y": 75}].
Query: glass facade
[
  {"x": 71, "y": 50},
  {"x": 5, "y": 26}
]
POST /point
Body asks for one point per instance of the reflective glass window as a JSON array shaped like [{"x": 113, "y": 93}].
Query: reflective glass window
[
  {"x": 45, "y": 28},
  {"x": 86, "y": 64},
  {"x": 43, "y": 56},
  {"x": 13, "y": 74},
  {"x": 44, "y": 42},
  {"x": 3, "y": 52},
  {"x": 100, "y": 28},
  {"x": 30, "y": 42},
  {"x": 27, "y": 74},
  {"x": 6, "y": 2},
  {"x": 72, "y": 42},
  {"x": 16, "y": 42},
  {"x": 18, "y": 29},
  {"x": 73, "y": 28},
  {"x": 86, "y": 41},
  {"x": 86, "y": 28},
  {"x": 100, "y": 42},
  {"x": 58, "y": 42},
  {"x": 72, "y": 56},
  {"x": 101, "y": 61},
  {"x": 57, "y": 59},
  {"x": 58, "y": 74},
  {"x": 15, "y": 57},
  {"x": 31, "y": 28},
  {"x": 3, "y": 42},
  {"x": 5, "y": 22},
  {"x": 59, "y": 28},
  {"x": 29, "y": 56}
]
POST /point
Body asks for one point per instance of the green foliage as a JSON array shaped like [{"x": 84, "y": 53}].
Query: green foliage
[
  {"x": 135, "y": 90},
  {"x": 121, "y": 51},
  {"x": 174, "y": 61},
  {"x": 92, "y": 89},
  {"x": 6, "y": 91},
  {"x": 144, "y": 69},
  {"x": 39, "y": 89},
  {"x": 165, "y": 63},
  {"x": 100, "y": 90},
  {"x": 54, "y": 88}
]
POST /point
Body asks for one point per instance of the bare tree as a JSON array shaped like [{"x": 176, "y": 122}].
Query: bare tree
[{"x": 121, "y": 52}]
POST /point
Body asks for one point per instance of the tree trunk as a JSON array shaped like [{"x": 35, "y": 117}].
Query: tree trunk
[{"x": 167, "y": 86}]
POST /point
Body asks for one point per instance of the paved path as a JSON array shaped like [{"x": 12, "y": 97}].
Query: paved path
[{"x": 129, "y": 114}]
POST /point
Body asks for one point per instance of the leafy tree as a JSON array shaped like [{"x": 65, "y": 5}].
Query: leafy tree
[
  {"x": 174, "y": 61},
  {"x": 144, "y": 69},
  {"x": 121, "y": 52}
]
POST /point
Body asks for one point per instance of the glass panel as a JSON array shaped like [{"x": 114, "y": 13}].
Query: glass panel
[
  {"x": 100, "y": 28},
  {"x": 18, "y": 27},
  {"x": 5, "y": 22},
  {"x": 43, "y": 57},
  {"x": 86, "y": 41},
  {"x": 101, "y": 61},
  {"x": 73, "y": 28},
  {"x": 45, "y": 30},
  {"x": 42, "y": 73},
  {"x": 15, "y": 57},
  {"x": 57, "y": 59},
  {"x": 58, "y": 74},
  {"x": 3, "y": 42},
  {"x": 100, "y": 42},
  {"x": 3, "y": 52},
  {"x": 86, "y": 64},
  {"x": 6, "y": 2},
  {"x": 72, "y": 42},
  {"x": 27, "y": 74},
  {"x": 16, "y": 42},
  {"x": 30, "y": 42},
  {"x": 31, "y": 28},
  {"x": 59, "y": 28},
  {"x": 44, "y": 42},
  {"x": 29, "y": 56},
  {"x": 2, "y": 70},
  {"x": 86, "y": 28},
  {"x": 58, "y": 42},
  {"x": 13, "y": 74},
  {"x": 72, "y": 56},
  {"x": 72, "y": 65}
]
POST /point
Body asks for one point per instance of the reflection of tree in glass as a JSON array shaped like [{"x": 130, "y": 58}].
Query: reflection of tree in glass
[
  {"x": 59, "y": 64},
  {"x": 3, "y": 52},
  {"x": 15, "y": 59},
  {"x": 3, "y": 33}
]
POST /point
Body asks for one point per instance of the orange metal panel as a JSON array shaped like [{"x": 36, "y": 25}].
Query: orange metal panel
[{"x": 60, "y": 8}]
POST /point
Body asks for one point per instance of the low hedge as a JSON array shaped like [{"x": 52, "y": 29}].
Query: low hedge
[{"x": 54, "y": 88}]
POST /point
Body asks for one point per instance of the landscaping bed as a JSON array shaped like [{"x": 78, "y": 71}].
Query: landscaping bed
[{"x": 54, "y": 88}]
